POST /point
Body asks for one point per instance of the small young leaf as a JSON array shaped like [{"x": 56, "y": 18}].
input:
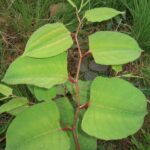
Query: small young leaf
[
  {"x": 37, "y": 128},
  {"x": 13, "y": 104},
  {"x": 113, "y": 48},
  {"x": 44, "y": 72},
  {"x": 49, "y": 40},
  {"x": 5, "y": 90},
  {"x": 117, "y": 109},
  {"x": 101, "y": 14},
  {"x": 117, "y": 68}
]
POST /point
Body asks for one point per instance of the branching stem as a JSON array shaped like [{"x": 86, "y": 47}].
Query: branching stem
[{"x": 76, "y": 84}]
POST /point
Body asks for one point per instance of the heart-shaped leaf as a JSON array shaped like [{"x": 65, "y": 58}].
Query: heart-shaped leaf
[{"x": 117, "y": 109}]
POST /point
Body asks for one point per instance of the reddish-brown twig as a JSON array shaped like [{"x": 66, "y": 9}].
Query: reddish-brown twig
[
  {"x": 76, "y": 85},
  {"x": 75, "y": 82},
  {"x": 84, "y": 106}
]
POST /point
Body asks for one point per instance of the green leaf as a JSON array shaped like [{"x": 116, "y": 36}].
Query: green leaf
[
  {"x": 49, "y": 40},
  {"x": 101, "y": 14},
  {"x": 117, "y": 109},
  {"x": 44, "y": 72},
  {"x": 45, "y": 94},
  {"x": 84, "y": 93},
  {"x": 113, "y": 48},
  {"x": 19, "y": 110},
  {"x": 37, "y": 128},
  {"x": 66, "y": 112},
  {"x": 5, "y": 90},
  {"x": 13, "y": 104},
  {"x": 117, "y": 68},
  {"x": 86, "y": 142}
]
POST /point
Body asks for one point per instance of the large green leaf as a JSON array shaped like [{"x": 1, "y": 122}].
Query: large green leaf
[
  {"x": 101, "y": 14},
  {"x": 13, "y": 104},
  {"x": 5, "y": 90},
  {"x": 117, "y": 109},
  {"x": 37, "y": 128},
  {"x": 113, "y": 48},
  {"x": 44, "y": 72},
  {"x": 49, "y": 40}
]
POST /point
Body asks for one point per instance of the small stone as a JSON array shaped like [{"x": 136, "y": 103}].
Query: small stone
[
  {"x": 89, "y": 75},
  {"x": 84, "y": 65},
  {"x": 96, "y": 67}
]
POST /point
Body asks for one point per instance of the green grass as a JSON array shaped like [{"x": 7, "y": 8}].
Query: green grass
[
  {"x": 140, "y": 11},
  {"x": 27, "y": 14},
  {"x": 141, "y": 143}
]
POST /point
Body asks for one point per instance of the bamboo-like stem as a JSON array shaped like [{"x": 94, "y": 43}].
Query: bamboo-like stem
[
  {"x": 75, "y": 82},
  {"x": 76, "y": 85}
]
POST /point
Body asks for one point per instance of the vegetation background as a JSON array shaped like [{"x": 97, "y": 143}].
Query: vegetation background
[{"x": 19, "y": 18}]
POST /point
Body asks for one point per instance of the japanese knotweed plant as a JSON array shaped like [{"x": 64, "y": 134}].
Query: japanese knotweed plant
[{"x": 106, "y": 108}]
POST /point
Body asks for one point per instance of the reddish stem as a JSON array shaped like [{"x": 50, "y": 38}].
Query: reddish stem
[
  {"x": 77, "y": 87},
  {"x": 86, "y": 54},
  {"x": 67, "y": 129},
  {"x": 84, "y": 106},
  {"x": 76, "y": 140},
  {"x": 71, "y": 79},
  {"x": 75, "y": 82}
]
